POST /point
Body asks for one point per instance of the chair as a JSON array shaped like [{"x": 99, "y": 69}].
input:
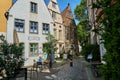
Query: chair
[{"x": 33, "y": 70}]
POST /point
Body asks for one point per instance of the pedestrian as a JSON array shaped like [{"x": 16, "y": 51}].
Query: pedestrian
[
  {"x": 69, "y": 54},
  {"x": 71, "y": 63}
]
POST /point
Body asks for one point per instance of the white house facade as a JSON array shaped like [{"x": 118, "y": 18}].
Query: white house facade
[{"x": 32, "y": 21}]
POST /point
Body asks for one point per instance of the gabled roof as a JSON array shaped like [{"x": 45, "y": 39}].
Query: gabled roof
[
  {"x": 13, "y": 2},
  {"x": 67, "y": 15},
  {"x": 67, "y": 12}
]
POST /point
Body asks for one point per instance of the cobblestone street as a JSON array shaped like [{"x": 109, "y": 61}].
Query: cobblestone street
[
  {"x": 77, "y": 72},
  {"x": 63, "y": 71}
]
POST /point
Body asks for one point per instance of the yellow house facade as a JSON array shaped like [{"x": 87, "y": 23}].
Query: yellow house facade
[{"x": 4, "y": 6}]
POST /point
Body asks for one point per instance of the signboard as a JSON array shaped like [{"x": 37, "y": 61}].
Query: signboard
[
  {"x": 90, "y": 56},
  {"x": 33, "y": 38},
  {"x": 64, "y": 56}
]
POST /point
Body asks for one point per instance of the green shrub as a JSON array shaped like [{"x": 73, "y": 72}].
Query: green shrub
[
  {"x": 11, "y": 59},
  {"x": 91, "y": 48}
]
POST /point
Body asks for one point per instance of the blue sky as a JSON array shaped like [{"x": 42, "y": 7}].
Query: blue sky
[{"x": 63, "y": 4}]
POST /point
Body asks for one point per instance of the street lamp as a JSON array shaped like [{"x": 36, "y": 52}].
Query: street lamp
[{"x": 2, "y": 37}]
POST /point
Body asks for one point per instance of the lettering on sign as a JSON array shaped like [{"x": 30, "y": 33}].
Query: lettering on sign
[{"x": 33, "y": 38}]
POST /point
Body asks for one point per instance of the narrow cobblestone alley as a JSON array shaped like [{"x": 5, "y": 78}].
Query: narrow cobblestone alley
[{"x": 79, "y": 71}]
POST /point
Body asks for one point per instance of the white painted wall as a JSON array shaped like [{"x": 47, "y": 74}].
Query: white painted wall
[{"x": 21, "y": 10}]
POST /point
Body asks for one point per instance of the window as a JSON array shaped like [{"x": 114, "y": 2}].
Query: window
[
  {"x": 33, "y": 7},
  {"x": 60, "y": 26},
  {"x": 71, "y": 32},
  {"x": 66, "y": 33},
  {"x": 33, "y": 27},
  {"x": 53, "y": 4},
  {"x": 33, "y": 47},
  {"x": 60, "y": 48},
  {"x": 53, "y": 15},
  {"x": 45, "y": 28},
  {"x": 55, "y": 33},
  {"x": 70, "y": 13},
  {"x": 19, "y": 25},
  {"x": 60, "y": 34}
]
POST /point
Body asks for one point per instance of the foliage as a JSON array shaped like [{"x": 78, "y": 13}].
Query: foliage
[
  {"x": 46, "y": 47},
  {"x": 111, "y": 35},
  {"x": 81, "y": 14},
  {"x": 91, "y": 49},
  {"x": 81, "y": 11},
  {"x": 11, "y": 59},
  {"x": 82, "y": 33},
  {"x": 49, "y": 46}
]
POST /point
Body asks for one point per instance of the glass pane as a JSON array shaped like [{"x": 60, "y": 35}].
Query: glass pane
[
  {"x": 35, "y": 31},
  {"x": 19, "y": 24},
  {"x": 33, "y": 7},
  {"x": 34, "y": 49},
  {"x": 31, "y": 49}
]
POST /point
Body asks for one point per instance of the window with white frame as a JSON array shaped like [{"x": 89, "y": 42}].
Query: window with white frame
[
  {"x": 53, "y": 4},
  {"x": 19, "y": 25},
  {"x": 45, "y": 28},
  {"x": 33, "y": 27},
  {"x": 33, "y": 8},
  {"x": 33, "y": 49}
]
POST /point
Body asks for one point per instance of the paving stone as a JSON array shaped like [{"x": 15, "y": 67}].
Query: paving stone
[{"x": 79, "y": 71}]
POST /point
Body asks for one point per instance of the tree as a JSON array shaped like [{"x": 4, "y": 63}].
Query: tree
[
  {"x": 111, "y": 37},
  {"x": 81, "y": 11},
  {"x": 81, "y": 15},
  {"x": 11, "y": 59},
  {"x": 91, "y": 49},
  {"x": 50, "y": 48},
  {"x": 82, "y": 34}
]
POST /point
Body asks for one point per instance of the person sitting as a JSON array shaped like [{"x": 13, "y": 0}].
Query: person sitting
[{"x": 40, "y": 60}]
